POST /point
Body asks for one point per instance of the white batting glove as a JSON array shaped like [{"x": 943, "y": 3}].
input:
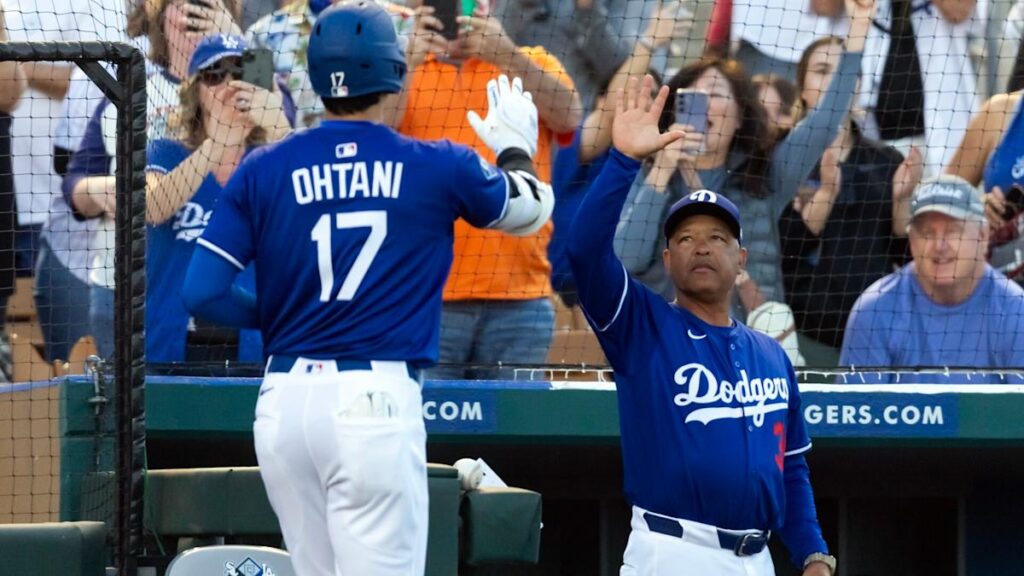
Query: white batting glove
[{"x": 511, "y": 117}]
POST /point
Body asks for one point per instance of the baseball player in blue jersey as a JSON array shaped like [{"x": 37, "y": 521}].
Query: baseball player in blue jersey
[
  {"x": 713, "y": 440},
  {"x": 350, "y": 228}
]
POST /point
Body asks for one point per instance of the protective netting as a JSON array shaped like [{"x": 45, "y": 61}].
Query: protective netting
[
  {"x": 71, "y": 447},
  {"x": 818, "y": 119}
]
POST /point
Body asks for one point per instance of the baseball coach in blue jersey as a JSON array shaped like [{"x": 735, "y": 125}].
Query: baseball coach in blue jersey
[
  {"x": 713, "y": 440},
  {"x": 350, "y": 227}
]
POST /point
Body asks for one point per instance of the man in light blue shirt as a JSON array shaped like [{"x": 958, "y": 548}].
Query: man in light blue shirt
[{"x": 947, "y": 308}]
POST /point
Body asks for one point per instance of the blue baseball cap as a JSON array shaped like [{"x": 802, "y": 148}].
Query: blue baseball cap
[
  {"x": 213, "y": 49},
  {"x": 704, "y": 202}
]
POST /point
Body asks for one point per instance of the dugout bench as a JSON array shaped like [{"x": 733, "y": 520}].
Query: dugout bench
[
  {"x": 909, "y": 479},
  {"x": 190, "y": 506},
  {"x": 200, "y": 504}
]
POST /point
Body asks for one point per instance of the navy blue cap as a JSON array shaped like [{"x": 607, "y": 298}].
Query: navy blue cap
[
  {"x": 212, "y": 49},
  {"x": 704, "y": 202}
]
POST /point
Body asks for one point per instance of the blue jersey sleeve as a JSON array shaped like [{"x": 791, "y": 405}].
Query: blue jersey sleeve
[
  {"x": 230, "y": 231},
  {"x": 601, "y": 281},
  {"x": 164, "y": 155},
  {"x": 481, "y": 190},
  {"x": 801, "y": 532},
  {"x": 798, "y": 440},
  {"x": 211, "y": 293},
  {"x": 91, "y": 158}
]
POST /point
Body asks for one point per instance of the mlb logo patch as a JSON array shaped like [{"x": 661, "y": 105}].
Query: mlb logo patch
[
  {"x": 315, "y": 368},
  {"x": 346, "y": 150},
  {"x": 338, "y": 88}
]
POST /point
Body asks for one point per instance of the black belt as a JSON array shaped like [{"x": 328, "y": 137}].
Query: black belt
[
  {"x": 741, "y": 544},
  {"x": 284, "y": 364}
]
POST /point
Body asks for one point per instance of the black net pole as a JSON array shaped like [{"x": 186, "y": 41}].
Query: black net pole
[
  {"x": 128, "y": 94},
  {"x": 130, "y": 302}
]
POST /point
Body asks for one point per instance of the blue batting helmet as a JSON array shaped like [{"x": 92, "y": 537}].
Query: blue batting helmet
[{"x": 353, "y": 50}]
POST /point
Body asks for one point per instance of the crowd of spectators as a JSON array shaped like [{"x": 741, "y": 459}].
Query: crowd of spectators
[{"x": 873, "y": 184}]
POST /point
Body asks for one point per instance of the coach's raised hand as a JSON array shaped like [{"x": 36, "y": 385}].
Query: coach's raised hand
[
  {"x": 635, "y": 130},
  {"x": 511, "y": 117}
]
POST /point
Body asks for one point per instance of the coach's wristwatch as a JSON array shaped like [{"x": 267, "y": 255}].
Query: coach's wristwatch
[{"x": 825, "y": 559}]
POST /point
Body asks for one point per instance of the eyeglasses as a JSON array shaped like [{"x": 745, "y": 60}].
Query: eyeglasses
[{"x": 215, "y": 75}]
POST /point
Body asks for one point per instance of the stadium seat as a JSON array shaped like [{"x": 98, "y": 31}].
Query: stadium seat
[
  {"x": 231, "y": 561},
  {"x": 21, "y": 306},
  {"x": 26, "y": 354},
  {"x": 75, "y": 364}
]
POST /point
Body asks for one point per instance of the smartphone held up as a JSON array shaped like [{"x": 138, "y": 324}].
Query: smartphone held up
[
  {"x": 258, "y": 67},
  {"x": 1014, "y": 202},
  {"x": 447, "y": 11},
  {"x": 692, "y": 109}
]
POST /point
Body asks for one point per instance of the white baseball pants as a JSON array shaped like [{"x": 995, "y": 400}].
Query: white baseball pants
[
  {"x": 696, "y": 553},
  {"x": 343, "y": 458}
]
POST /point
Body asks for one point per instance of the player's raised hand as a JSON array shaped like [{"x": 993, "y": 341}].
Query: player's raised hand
[
  {"x": 511, "y": 117},
  {"x": 635, "y": 130}
]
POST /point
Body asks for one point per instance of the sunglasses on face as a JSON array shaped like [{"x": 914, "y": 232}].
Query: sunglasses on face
[{"x": 215, "y": 75}]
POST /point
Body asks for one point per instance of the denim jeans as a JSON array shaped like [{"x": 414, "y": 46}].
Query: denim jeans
[
  {"x": 62, "y": 303},
  {"x": 101, "y": 318},
  {"x": 491, "y": 331},
  {"x": 27, "y": 243}
]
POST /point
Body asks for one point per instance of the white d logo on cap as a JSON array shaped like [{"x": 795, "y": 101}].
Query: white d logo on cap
[{"x": 704, "y": 196}]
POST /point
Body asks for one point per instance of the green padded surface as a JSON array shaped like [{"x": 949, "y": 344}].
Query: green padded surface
[
  {"x": 54, "y": 549},
  {"x": 502, "y": 525},
  {"x": 443, "y": 527},
  {"x": 208, "y": 501},
  {"x": 441, "y": 471},
  {"x": 232, "y": 502}
]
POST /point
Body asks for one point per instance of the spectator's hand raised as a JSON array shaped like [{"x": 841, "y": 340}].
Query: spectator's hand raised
[
  {"x": 672, "y": 20},
  {"x": 860, "y": 8},
  {"x": 425, "y": 38},
  {"x": 484, "y": 37},
  {"x": 907, "y": 176},
  {"x": 635, "y": 130},
  {"x": 995, "y": 205},
  {"x": 861, "y": 13},
  {"x": 230, "y": 122},
  {"x": 831, "y": 174},
  {"x": 214, "y": 18},
  {"x": 260, "y": 107}
]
